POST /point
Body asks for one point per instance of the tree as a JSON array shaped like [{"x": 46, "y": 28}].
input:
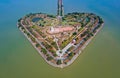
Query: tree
[
  {"x": 85, "y": 39},
  {"x": 43, "y": 50},
  {"x": 71, "y": 55},
  {"x": 28, "y": 34},
  {"x": 33, "y": 39},
  {"x": 75, "y": 33},
  {"x": 19, "y": 19},
  {"x": 82, "y": 25},
  {"x": 91, "y": 34},
  {"x": 54, "y": 54},
  {"x": 59, "y": 62},
  {"x": 37, "y": 45},
  {"x": 49, "y": 58}
]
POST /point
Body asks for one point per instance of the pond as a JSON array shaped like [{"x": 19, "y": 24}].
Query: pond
[{"x": 36, "y": 19}]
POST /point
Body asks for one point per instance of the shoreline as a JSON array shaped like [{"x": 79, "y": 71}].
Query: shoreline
[
  {"x": 73, "y": 59},
  {"x": 49, "y": 63},
  {"x": 83, "y": 47},
  {"x": 78, "y": 49}
]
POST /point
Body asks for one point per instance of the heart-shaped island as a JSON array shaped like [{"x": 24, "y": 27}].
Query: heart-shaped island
[{"x": 60, "y": 39}]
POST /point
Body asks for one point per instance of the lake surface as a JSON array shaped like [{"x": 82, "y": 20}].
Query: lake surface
[{"x": 18, "y": 59}]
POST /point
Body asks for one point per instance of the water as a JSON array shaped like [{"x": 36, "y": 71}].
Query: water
[
  {"x": 36, "y": 19},
  {"x": 18, "y": 59}
]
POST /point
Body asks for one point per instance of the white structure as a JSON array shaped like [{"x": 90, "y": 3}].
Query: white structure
[{"x": 52, "y": 29}]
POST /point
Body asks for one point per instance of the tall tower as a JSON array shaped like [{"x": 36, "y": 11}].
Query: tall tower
[{"x": 60, "y": 11}]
